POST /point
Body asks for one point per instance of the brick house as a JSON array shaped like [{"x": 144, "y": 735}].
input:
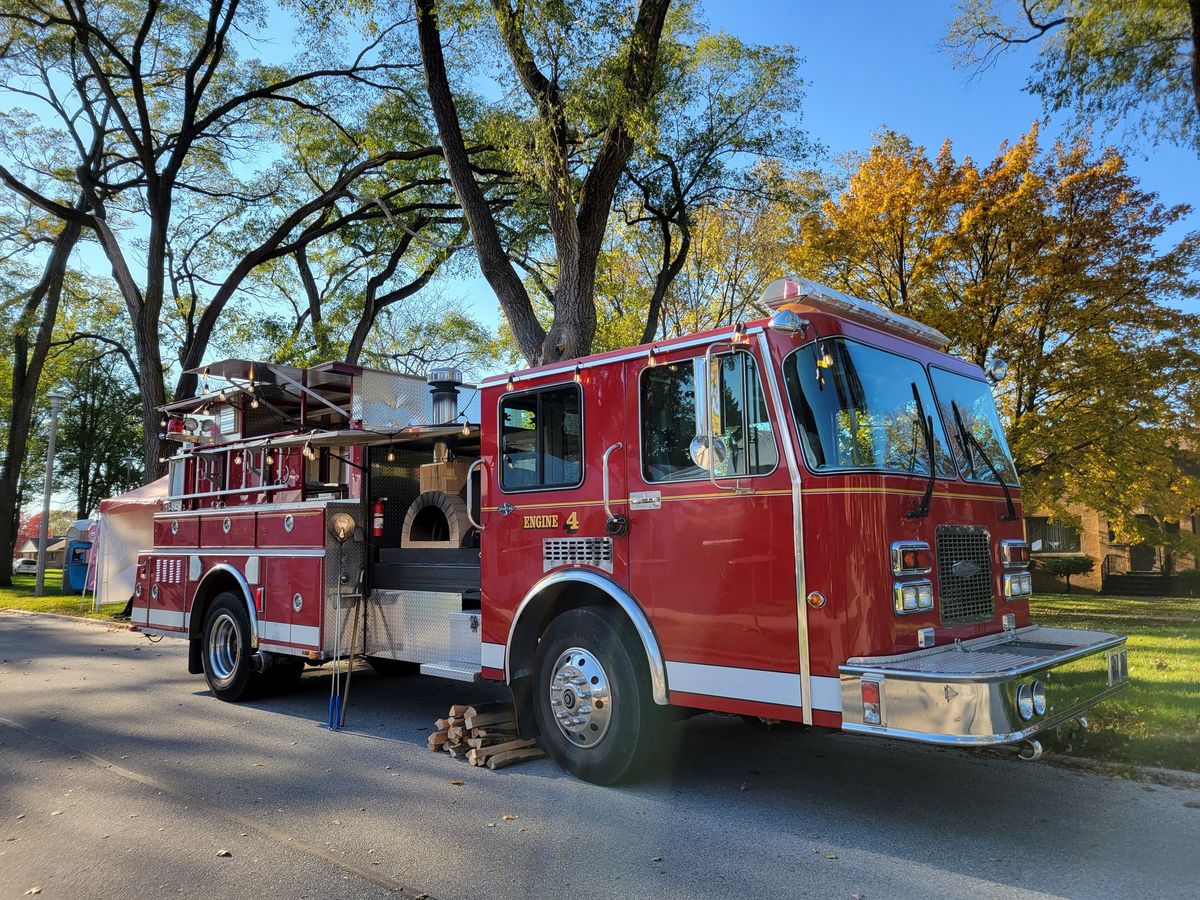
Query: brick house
[{"x": 1120, "y": 568}]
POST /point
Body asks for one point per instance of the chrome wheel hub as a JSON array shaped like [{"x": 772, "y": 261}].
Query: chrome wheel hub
[
  {"x": 580, "y": 697},
  {"x": 224, "y": 647}
]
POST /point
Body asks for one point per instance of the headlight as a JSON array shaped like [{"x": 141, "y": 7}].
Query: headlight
[
  {"x": 1039, "y": 698},
  {"x": 1017, "y": 584},
  {"x": 1025, "y": 702},
  {"x": 912, "y": 596}
]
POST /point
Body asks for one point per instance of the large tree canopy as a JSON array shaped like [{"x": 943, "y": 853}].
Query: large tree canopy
[{"x": 1131, "y": 64}]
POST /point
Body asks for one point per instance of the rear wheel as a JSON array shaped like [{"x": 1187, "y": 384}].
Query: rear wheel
[
  {"x": 592, "y": 700},
  {"x": 226, "y": 652}
]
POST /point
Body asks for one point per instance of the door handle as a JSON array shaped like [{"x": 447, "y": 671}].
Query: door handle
[
  {"x": 645, "y": 500},
  {"x": 615, "y": 525},
  {"x": 471, "y": 471}
]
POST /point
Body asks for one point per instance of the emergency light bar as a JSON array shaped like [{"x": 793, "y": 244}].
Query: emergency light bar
[{"x": 796, "y": 289}]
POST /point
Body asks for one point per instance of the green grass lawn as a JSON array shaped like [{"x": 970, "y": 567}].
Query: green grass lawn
[
  {"x": 20, "y": 596},
  {"x": 1156, "y": 721}
]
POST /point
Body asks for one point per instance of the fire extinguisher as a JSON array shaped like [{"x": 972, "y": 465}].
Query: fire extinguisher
[{"x": 377, "y": 517}]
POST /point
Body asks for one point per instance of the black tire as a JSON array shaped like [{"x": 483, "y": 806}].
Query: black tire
[
  {"x": 609, "y": 679},
  {"x": 225, "y": 650},
  {"x": 393, "y": 668}
]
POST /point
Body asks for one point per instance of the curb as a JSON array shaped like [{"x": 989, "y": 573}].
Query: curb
[
  {"x": 50, "y": 615},
  {"x": 1173, "y": 777}
]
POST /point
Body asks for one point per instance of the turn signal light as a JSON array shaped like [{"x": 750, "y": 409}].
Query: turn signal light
[
  {"x": 1014, "y": 554},
  {"x": 1017, "y": 584},
  {"x": 870, "y": 703},
  {"x": 911, "y": 558}
]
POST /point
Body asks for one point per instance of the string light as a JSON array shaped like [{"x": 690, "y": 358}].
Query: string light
[
  {"x": 391, "y": 454},
  {"x": 578, "y": 375},
  {"x": 163, "y": 422},
  {"x": 254, "y": 403},
  {"x": 650, "y": 358},
  {"x": 511, "y": 384},
  {"x": 206, "y": 387},
  {"x": 308, "y": 451},
  {"x": 237, "y": 459},
  {"x": 466, "y": 429}
]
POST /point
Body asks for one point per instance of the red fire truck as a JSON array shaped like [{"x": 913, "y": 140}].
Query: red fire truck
[{"x": 812, "y": 518}]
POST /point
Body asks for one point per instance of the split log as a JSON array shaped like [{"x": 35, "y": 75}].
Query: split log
[
  {"x": 437, "y": 739},
  {"x": 509, "y": 757},
  {"x": 501, "y": 717}
]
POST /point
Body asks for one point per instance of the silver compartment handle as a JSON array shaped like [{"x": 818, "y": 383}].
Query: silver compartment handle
[{"x": 470, "y": 518}]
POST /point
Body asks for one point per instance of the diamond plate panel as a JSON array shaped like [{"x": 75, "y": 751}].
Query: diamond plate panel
[
  {"x": 422, "y": 627},
  {"x": 389, "y": 401}
]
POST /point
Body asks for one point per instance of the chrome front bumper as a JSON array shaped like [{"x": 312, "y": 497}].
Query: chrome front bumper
[{"x": 966, "y": 693}]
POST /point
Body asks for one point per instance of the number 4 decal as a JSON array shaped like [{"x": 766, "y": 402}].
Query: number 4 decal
[{"x": 572, "y": 524}]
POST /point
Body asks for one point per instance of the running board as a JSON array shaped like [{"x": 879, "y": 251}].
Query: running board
[{"x": 455, "y": 671}]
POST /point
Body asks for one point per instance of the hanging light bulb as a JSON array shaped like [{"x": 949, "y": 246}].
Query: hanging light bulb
[
  {"x": 270, "y": 457},
  {"x": 391, "y": 454},
  {"x": 254, "y": 403},
  {"x": 578, "y": 375},
  {"x": 206, "y": 388},
  {"x": 651, "y": 360},
  {"x": 510, "y": 385},
  {"x": 222, "y": 394},
  {"x": 162, "y": 422},
  {"x": 308, "y": 451},
  {"x": 466, "y": 429},
  {"x": 237, "y": 459}
]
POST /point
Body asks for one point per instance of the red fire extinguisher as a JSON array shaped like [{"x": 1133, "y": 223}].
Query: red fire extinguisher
[{"x": 377, "y": 517}]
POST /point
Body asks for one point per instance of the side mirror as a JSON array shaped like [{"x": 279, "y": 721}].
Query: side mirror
[{"x": 708, "y": 457}]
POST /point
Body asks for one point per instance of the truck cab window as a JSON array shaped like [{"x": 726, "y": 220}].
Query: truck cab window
[
  {"x": 541, "y": 439},
  {"x": 672, "y": 413}
]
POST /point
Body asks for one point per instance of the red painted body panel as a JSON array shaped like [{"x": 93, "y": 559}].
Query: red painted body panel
[
  {"x": 308, "y": 529},
  {"x": 240, "y": 534},
  {"x": 186, "y": 534}
]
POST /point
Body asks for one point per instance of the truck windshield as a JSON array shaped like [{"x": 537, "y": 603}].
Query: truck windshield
[
  {"x": 857, "y": 408},
  {"x": 969, "y": 401}
]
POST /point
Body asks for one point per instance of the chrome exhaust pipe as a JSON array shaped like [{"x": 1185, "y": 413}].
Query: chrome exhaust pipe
[
  {"x": 1030, "y": 750},
  {"x": 259, "y": 662}
]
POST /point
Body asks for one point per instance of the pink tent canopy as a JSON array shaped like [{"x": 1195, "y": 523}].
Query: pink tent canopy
[{"x": 126, "y": 529}]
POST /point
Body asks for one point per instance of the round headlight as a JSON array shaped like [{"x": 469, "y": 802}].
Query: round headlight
[
  {"x": 1039, "y": 698},
  {"x": 1025, "y": 702}
]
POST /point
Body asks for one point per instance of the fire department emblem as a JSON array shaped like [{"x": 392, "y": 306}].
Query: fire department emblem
[
  {"x": 506, "y": 509},
  {"x": 964, "y": 568}
]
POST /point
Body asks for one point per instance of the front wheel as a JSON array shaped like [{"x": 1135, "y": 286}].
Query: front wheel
[
  {"x": 226, "y": 652},
  {"x": 592, "y": 697}
]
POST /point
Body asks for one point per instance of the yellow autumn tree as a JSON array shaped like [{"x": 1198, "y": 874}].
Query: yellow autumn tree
[{"x": 1054, "y": 259}]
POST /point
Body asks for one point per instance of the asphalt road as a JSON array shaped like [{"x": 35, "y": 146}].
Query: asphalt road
[{"x": 121, "y": 777}]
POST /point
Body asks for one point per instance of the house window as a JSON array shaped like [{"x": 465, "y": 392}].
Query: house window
[
  {"x": 673, "y": 413},
  {"x": 1046, "y": 537},
  {"x": 541, "y": 439}
]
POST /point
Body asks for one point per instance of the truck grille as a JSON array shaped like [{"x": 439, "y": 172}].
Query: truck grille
[{"x": 964, "y": 561}]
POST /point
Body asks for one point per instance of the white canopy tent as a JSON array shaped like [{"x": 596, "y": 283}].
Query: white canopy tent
[{"x": 126, "y": 529}]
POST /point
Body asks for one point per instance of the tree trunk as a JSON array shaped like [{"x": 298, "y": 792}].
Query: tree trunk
[
  {"x": 28, "y": 364},
  {"x": 1194, "y": 6}
]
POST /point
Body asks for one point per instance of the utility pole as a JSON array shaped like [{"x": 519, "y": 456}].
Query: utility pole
[{"x": 39, "y": 587}]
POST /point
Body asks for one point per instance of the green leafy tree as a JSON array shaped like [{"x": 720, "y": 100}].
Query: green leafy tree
[
  {"x": 1132, "y": 63},
  {"x": 1066, "y": 566}
]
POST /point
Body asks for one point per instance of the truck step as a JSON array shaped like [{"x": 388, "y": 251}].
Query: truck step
[{"x": 456, "y": 671}]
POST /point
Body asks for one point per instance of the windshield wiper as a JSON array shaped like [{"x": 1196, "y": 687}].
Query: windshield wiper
[
  {"x": 968, "y": 439},
  {"x": 921, "y": 510}
]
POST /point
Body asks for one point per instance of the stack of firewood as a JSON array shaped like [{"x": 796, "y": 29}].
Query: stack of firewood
[{"x": 484, "y": 734}]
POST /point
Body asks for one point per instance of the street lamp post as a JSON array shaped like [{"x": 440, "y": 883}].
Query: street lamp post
[{"x": 39, "y": 587}]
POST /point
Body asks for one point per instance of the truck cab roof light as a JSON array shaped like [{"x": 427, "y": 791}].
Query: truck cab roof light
[{"x": 794, "y": 289}]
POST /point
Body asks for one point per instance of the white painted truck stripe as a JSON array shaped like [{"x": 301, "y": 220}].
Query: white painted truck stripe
[
  {"x": 826, "y": 693},
  {"x": 491, "y": 656},
  {"x": 780, "y": 688},
  {"x": 275, "y": 631},
  {"x": 308, "y": 635},
  {"x": 166, "y": 618}
]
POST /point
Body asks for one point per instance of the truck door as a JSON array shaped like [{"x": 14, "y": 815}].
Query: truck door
[
  {"x": 712, "y": 554},
  {"x": 544, "y": 509}
]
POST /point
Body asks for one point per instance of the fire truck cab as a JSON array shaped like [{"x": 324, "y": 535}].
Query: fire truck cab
[{"x": 812, "y": 518}]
